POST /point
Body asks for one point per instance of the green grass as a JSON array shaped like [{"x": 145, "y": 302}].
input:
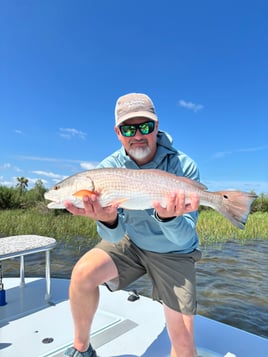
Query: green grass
[
  {"x": 212, "y": 227},
  {"x": 60, "y": 226}
]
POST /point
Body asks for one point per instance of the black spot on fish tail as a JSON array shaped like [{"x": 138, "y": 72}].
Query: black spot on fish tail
[{"x": 235, "y": 206}]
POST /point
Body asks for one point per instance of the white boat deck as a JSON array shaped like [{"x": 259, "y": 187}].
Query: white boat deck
[{"x": 29, "y": 327}]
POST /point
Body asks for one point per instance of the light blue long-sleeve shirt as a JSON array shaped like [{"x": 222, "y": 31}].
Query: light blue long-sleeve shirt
[{"x": 142, "y": 226}]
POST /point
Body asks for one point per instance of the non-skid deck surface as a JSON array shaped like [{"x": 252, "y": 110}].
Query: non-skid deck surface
[{"x": 31, "y": 328}]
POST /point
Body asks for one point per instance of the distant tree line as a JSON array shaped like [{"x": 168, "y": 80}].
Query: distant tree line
[{"x": 22, "y": 197}]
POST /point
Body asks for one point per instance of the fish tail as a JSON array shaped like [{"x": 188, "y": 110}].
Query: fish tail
[{"x": 235, "y": 206}]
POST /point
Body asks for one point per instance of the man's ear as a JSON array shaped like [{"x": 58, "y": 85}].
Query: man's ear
[{"x": 117, "y": 131}]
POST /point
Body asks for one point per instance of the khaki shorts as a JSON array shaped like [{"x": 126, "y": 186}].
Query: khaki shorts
[{"x": 172, "y": 274}]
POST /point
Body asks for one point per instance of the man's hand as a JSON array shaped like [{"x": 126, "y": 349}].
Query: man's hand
[
  {"x": 94, "y": 210},
  {"x": 176, "y": 205}
]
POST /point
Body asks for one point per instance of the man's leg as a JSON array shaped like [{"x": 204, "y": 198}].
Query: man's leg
[
  {"x": 93, "y": 269},
  {"x": 181, "y": 333}
]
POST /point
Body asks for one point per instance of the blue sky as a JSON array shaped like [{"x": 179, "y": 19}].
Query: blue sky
[{"x": 63, "y": 64}]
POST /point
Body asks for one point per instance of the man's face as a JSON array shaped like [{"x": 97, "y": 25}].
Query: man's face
[{"x": 141, "y": 148}]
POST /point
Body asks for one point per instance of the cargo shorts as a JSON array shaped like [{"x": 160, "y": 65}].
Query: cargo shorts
[{"x": 173, "y": 274}]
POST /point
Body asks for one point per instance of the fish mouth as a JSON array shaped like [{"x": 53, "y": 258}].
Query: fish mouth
[
  {"x": 56, "y": 204},
  {"x": 60, "y": 203}
]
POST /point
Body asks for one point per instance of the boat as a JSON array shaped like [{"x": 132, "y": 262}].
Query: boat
[{"x": 126, "y": 325}]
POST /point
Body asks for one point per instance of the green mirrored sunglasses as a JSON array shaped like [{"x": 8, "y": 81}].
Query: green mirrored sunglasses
[{"x": 131, "y": 129}]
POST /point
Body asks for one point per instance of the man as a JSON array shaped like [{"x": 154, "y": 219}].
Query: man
[{"x": 161, "y": 241}]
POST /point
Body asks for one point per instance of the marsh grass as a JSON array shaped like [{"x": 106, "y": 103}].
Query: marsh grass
[
  {"x": 60, "y": 226},
  {"x": 214, "y": 228},
  {"x": 211, "y": 227}
]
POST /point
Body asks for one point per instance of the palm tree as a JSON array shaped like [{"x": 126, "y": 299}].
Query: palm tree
[{"x": 22, "y": 183}]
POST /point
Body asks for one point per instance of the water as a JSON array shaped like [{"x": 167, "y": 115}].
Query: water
[
  {"x": 233, "y": 285},
  {"x": 232, "y": 280}
]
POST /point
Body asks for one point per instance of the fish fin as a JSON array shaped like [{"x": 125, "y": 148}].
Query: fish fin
[
  {"x": 235, "y": 206},
  {"x": 119, "y": 202},
  {"x": 82, "y": 193}
]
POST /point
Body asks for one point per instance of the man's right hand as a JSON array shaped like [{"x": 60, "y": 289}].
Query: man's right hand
[{"x": 93, "y": 210}]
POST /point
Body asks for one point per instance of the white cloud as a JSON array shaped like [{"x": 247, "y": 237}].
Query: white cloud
[
  {"x": 17, "y": 131},
  {"x": 248, "y": 186},
  {"x": 48, "y": 159},
  {"x": 38, "y": 158},
  {"x": 8, "y": 166},
  {"x": 8, "y": 183},
  {"x": 222, "y": 154},
  {"x": 69, "y": 133},
  {"x": 5, "y": 166},
  {"x": 253, "y": 149},
  {"x": 48, "y": 174},
  {"x": 88, "y": 165},
  {"x": 191, "y": 106},
  {"x": 32, "y": 181}
]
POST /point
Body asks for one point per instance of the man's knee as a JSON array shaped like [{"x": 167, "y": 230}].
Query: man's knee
[{"x": 93, "y": 269}]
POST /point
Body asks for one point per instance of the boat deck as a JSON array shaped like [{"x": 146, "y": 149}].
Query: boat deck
[{"x": 30, "y": 327}]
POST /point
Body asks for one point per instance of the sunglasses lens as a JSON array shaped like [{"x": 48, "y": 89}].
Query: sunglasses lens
[
  {"x": 146, "y": 128},
  {"x": 128, "y": 130}
]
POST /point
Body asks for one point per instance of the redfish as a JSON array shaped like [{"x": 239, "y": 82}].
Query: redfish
[{"x": 139, "y": 189}]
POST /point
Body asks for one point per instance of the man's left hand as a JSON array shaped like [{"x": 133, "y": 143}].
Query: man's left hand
[{"x": 177, "y": 205}]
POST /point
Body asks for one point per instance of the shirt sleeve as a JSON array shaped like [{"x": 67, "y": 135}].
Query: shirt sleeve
[
  {"x": 113, "y": 234},
  {"x": 180, "y": 230}
]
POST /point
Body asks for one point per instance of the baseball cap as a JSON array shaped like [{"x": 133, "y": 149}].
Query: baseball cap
[{"x": 134, "y": 105}]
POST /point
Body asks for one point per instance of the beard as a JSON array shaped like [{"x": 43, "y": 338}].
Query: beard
[{"x": 140, "y": 153}]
